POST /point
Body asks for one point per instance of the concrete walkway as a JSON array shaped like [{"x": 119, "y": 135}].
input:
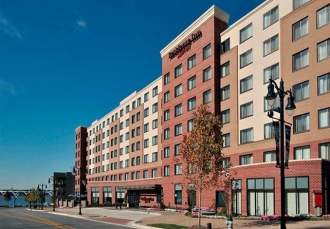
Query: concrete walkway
[{"x": 141, "y": 219}]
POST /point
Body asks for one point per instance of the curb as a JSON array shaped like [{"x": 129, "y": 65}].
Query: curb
[{"x": 141, "y": 226}]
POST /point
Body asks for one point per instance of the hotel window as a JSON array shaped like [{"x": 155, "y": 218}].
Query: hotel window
[
  {"x": 207, "y": 51},
  {"x": 236, "y": 187},
  {"x": 300, "y": 60},
  {"x": 167, "y": 133},
  {"x": 225, "y": 116},
  {"x": 154, "y": 91},
  {"x": 154, "y": 107},
  {"x": 178, "y": 71},
  {"x": 246, "y": 136},
  {"x": 298, "y": 3},
  {"x": 301, "y": 91},
  {"x": 300, "y": 29},
  {"x": 224, "y": 69},
  {"x": 323, "y": 16},
  {"x": 246, "y": 58},
  {"x": 246, "y": 84},
  {"x": 261, "y": 194},
  {"x": 133, "y": 105},
  {"x": 301, "y": 123},
  {"x": 191, "y": 62},
  {"x": 271, "y": 72},
  {"x": 177, "y": 148},
  {"x": 146, "y": 143},
  {"x": 138, "y": 161},
  {"x": 271, "y": 45},
  {"x": 323, "y": 50},
  {"x": 146, "y": 127},
  {"x": 191, "y": 83},
  {"x": 146, "y": 97},
  {"x": 166, "y": 97},
  {"x": 146, "y": 112},
  {"x": 166, "y": 78},
  {"x": 246, "y": 110},
  {"x": 324, "y": 118},
  {"x": 166, "y": 170},
  {"x": 207, "y": 96},
  {"x": 178, "y": 110},
  {"x": 154, "y": 140},
  {"x": 178, "y": 129},
  {"x": 246, "y": 159},
  {"x": 270, "y": 17},
  {"x": 154, "y": 157},
  {"x": 226, "y": 140},
  {"x": 225, "y": 93},
  {"x": 302, "y": 153},
  {"x": 178, "y": 169},
  {"x": 154, "y": 173},
  {"x": 324, "y": 149},
  {"x": 167, "y": 115},
  {"x": 178, "y": 90},
  {"x": 166, "y": 152},
  {"x": 267, "y": 107},
  {"x": 177, "y": 194},
  {"x": 154, "y": 123},
  {"x": 190, "y": 125},
  {"x": 127, "y": 109},
  {"x": 297, "y": 192},
  {"x": 145, "y": 174},
  {"x": 323, "y": 84},
  {"x": 246, "y": 33},
  {"x": 269, "y": 131},
  {"x": 207, "y": 74},
  {"x": 145, "y": 158},
  {"x": 269, "y": 156},
  {"x": 191, "y": 103},
  {"x": 225, "y": 46}
]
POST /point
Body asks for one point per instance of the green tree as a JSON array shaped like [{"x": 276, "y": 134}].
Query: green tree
[
  {"x": 201, "y": 150},
  {"x": 33, "y": 197}
]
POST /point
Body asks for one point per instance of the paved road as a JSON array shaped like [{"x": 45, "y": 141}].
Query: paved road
[{"x": 20, "y": 218}]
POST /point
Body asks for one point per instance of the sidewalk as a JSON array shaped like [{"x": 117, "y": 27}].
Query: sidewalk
[
  {"x": 124, "y": 217},
  {"x": 140, "y": 218},
  {"x": 180, "y": 219}
]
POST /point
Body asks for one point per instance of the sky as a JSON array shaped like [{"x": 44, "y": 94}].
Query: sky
[{"x": 65, "y": 63}]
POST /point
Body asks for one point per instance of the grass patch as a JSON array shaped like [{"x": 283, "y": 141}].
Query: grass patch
[{"x": 167, "y": 226}]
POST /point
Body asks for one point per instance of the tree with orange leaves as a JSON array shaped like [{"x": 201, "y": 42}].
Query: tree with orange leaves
[{"x": 201, "y": 150}]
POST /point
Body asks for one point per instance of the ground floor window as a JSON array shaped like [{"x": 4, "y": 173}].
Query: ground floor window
[
  {"x": 237, "y": 197},
  {"x": 260, "y": 196},
  {"x": 107, "y": 196},
  {"x": 178, "y": 194},
  {"x": 95, "y": 196},
  {"x": 297, "y": 190}
]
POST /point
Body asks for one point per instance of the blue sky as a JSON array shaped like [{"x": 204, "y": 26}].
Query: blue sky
[{"x": 66, "y": 63}]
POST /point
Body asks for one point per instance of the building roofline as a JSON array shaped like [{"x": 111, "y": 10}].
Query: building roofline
[
  {"x": 246, "y": 16},
  {"x": 212, "y": 11},
  {"x": 126, "y": 99}
]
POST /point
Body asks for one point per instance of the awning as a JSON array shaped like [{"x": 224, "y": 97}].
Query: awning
[{"x": 143, "y": 187}]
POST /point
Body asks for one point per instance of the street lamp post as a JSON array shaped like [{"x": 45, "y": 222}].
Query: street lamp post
[
  {"x": 271, "y": 97},
  {"x": 82, "y": 184},
  {"x": 54, "y": 191}
]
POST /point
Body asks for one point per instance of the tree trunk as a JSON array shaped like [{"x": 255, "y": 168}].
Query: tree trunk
[{"x": 200, "y": 207}]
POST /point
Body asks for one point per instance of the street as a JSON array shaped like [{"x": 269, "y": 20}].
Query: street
[{"x": 17, "y": 218}]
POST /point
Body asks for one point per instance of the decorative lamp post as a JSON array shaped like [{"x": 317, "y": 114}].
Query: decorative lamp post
[{"x": 290, "y": 107}]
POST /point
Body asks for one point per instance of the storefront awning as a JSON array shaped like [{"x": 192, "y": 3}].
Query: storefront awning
[{"x": 143, "y": 187}]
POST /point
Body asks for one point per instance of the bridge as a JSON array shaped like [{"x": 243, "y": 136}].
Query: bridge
[{"x": 18, "y": 197}]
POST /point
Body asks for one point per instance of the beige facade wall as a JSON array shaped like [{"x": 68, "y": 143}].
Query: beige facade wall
[
  {"x": 260, "y": 62},
  {"x": 112, "y": 119}
]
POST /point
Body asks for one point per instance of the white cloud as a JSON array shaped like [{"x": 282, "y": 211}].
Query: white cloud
[
  {"x": 81, "y": 23},
  {"x": 8, "y": 28},
  {"x": 7, "y": 88}
]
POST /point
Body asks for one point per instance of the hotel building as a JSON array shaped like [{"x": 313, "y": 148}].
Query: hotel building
[{"x": 226, "y": 67}]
